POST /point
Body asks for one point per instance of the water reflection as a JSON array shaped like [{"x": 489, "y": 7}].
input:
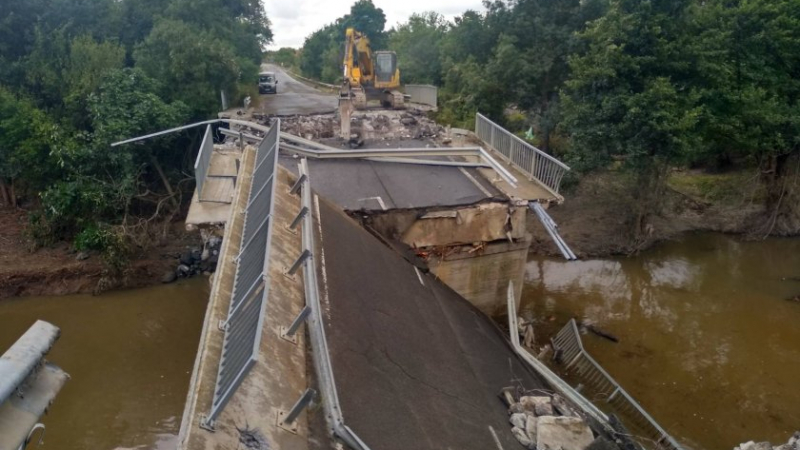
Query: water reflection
[{"x": 708, "y": 343}]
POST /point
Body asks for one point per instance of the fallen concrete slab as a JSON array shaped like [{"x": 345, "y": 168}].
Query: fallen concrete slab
[{"x": 416, "y": 366}]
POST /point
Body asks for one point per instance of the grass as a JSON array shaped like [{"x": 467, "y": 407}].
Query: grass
[{"x": 725, "y": 188}]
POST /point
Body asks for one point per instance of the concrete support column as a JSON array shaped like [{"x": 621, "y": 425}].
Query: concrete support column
[{"x": 345, "y": 109}]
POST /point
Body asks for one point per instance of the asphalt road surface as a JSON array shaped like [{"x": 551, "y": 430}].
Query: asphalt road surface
[{"x": 294, "y": 97}]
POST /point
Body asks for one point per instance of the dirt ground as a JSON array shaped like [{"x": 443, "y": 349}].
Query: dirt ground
[
  {"x": 56, "y": 271},
  {"x": 595, "y": 218}
]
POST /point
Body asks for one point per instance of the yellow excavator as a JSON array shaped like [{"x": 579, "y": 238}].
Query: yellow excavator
[{"x": 369, "y": 75}]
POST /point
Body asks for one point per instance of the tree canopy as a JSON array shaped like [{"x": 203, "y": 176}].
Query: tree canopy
[{"x": 76, "y": 75}]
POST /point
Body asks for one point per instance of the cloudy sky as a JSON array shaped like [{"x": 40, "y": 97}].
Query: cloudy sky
[{"x": 293, "y": 20}]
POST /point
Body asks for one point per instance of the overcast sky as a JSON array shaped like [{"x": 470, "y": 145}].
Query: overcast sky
[{"x": 293, "y": 20}]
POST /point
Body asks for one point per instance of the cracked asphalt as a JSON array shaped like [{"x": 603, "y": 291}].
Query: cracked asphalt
[{"x": 416, "y": 365}]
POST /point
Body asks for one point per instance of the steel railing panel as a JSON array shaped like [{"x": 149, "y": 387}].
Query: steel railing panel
[
  {"x": 569, "y": 349},
  {"x": 245, "y": 320},
  {"x": 537, "y": 164}
]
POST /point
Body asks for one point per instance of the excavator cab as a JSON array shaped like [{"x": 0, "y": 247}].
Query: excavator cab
[{"x": 386, "y": 66}]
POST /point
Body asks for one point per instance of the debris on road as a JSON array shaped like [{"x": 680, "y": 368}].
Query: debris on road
[{"x": 378, "y": 125}]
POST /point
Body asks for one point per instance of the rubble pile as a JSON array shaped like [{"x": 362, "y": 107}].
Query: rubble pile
[
  {"x": 548, "y": 423},
  {"x": 793, "y": 444},
  {"x": 195, "y": 261},
  {"x": 368, "y": 125}
]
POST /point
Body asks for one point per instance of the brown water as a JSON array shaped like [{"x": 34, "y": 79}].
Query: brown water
[
  {"x": 130, "y": 356},
  {"x": 708, "y": 344}
]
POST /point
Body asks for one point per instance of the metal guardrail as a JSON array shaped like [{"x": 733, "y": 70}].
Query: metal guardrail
[
  {"x": 552, "y": 229},
  {"x": 245, "y": 318},
  {"x": 561, "y": 386},
  {"x": 422, "y": 93},
  {"x": 537, "y": 164},
  {"x": 203, "y": 161},
  {"x": 316, "y": 330},
  {"x": 314, "y": 82},
  {"x": 567, "y": 344}
]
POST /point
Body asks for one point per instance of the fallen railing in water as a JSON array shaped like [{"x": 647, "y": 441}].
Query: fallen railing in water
[
  {"x": 656, "y": 439},
  {"x": 568, "y": 347}
]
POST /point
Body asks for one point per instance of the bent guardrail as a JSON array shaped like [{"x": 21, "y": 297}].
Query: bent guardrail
[
  {"x": 569, "y": 348},
  {"x": 535, "y": 163}
]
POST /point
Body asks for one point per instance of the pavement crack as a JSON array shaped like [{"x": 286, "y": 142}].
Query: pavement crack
[{"x": 435, "y": 388}]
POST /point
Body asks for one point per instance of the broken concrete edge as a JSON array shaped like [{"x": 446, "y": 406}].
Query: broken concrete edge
[
  {"x": 29, "y": 384},
  {"x": 25, "y": 355},
  {"x": 20, "y": 414}
]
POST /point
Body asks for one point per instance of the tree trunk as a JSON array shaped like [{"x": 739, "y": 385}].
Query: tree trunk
[
  {"x": 12, "y": 194},
  {"x": 4, "y": 200},
  {"x": 164, "y": 180}
]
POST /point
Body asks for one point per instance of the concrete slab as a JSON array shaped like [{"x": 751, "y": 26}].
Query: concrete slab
[
  {"x": 526, "y": 189},
  {"x": 415, "y": 364},
  {"x": 218, "y": 190},
  {"x": 206, "y": 213},
  {"x": 223, "y": 163}
]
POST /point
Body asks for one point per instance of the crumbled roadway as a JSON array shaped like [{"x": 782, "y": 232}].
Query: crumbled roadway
[
  {"x": 416, "y": 366},
  {"x": 294, "y": 97}
]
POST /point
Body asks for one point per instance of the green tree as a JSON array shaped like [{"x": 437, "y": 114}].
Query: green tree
[
  {"x": 25, "y": 148},
  {"x": 629, "y": 96},
  {"x": 418, "y": 45},
  {"x": 368, "y": 19},
  {"x": 191, "y": 65},
  {"x": 88, "y": 63},
  {"x": 285, "y": 56}
]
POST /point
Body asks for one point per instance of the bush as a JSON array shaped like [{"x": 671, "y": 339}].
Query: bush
[{"x": 110, "y": 241}]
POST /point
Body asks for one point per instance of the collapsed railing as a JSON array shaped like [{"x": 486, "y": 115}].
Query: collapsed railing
[
  {"x": 313, "y": 310},
  {"x": 552, "y": 229},
  {"x": 568, "y": 347},
  {"x": 537, "y": 164},
  {"x": 245, "y": 317}
]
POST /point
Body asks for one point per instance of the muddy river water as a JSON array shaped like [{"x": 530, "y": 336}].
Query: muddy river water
[
  {"x": 130, "y": 355},
  {"x": 708, "y": 343}
]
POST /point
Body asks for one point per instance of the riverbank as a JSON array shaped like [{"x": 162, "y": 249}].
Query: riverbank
[
  {"x": 597, "y": 213},
  {"x": 57, "y": 270}
]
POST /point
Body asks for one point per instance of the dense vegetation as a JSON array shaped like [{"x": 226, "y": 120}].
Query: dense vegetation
[
  {"x": 77, "y": 75},
  {"x": 647, "y": 85}
]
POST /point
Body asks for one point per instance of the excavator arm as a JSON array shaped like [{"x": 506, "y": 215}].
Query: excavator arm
[{"x": 369, "y": 75}]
